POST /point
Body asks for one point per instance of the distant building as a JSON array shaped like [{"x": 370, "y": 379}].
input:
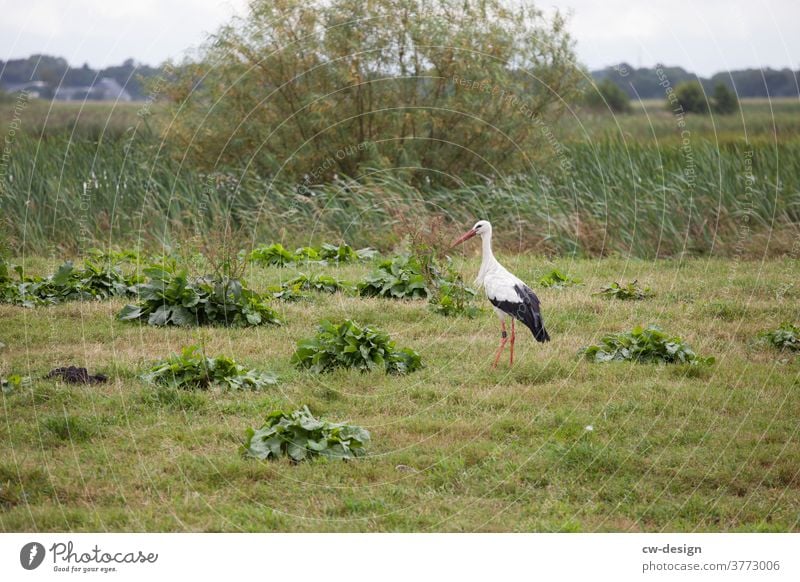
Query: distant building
[
  {"x": 35, "y": 89},
  {"x": 106, "y": 89}
]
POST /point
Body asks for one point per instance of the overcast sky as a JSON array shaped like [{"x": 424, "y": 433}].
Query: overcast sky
[{"x": 704, "y": 36}]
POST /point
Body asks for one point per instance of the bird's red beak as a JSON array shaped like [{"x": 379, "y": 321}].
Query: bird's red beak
[{"x": 467, "y": 235}]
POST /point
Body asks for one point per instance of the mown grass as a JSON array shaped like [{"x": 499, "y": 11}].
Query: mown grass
[{"x": 455, "y": 447}]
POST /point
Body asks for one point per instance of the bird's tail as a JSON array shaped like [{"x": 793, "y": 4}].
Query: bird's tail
[{"x": 538, "y": 330}]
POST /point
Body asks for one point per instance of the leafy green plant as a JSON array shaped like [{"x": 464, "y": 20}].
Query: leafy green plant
[
  {"x": 170, "y": 298},
  {"x": 273, "y": 255},
  {"x": 296, "y": 289},
  {"x": 786, "y": 337},
  {"x": 300, "y": 436},
  {"x": 631, "y": 291},
  {"x": 320, "y": 283},
  {"x": 344, "y": 253},
  {"x": 12, "y": 382},
  {"x": 307, "y": 254},
  {"x": 289, "y": 293},
  {"x": 453, "y": 298},
  {"x": 95, "y": 281},
  {"x": 193, "y": 370},
  {"x": 348, "y": 345},
  {"x": 398, "y": 278},
  {"x": 643, "y": 345},
  {"x": 558, "y": 280}
]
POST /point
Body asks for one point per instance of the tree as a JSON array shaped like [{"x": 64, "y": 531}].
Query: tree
[
  {"x": 299, "y": 88},
  {"x": 691, "y": 97},
  {"x": 608, "y": 95},
  {"x": 725, "y": 101}
]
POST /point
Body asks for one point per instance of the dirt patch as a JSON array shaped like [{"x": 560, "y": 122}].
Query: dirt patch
[{"x": 75, "y": 375}]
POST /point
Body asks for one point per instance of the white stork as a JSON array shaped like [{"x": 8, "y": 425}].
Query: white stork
[{"x": 508, "y": 294}]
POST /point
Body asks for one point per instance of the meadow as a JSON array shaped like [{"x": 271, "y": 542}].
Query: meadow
[{"x": 554, "y": 443}]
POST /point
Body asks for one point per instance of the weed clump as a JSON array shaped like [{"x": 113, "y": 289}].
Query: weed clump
[
  {"x": 300, "y": 436},
  {"x": 643, "y": 345},
  {"x": 630, "y": 292},
  {"x": 785, "y": 338},
  {"x": 348, "y": 345},
  {"x": 171, "y": 298},
  {"x": 193, "y": 370}
]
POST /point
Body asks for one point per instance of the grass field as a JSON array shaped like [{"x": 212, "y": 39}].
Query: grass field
[{"x": 455, "y": 447}]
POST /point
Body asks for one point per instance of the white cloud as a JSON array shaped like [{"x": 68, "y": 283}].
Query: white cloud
[{"x": 704, "y": 36}]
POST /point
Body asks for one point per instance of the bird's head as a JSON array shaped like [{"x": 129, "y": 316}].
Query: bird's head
[{"x": 482, "y": 228}]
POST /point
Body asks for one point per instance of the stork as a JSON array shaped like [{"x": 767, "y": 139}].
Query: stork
[{"x": 508, "y": 294}]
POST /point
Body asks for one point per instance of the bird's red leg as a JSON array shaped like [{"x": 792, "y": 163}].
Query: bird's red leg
[
  {"x": 503, "y": 340},
  {"x": 513, "y": 337}
]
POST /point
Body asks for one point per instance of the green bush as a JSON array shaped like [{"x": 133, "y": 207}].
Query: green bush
[
  {"x": 348, "y": 345},
  {"x": 630, "y": 292},
  {"x": 170, "y": 298},
  {"x": 193, "y": 370},
  {"x": 471, "y": 48},
  {"x": 786, "y": 337},
  {"x": 691, "y": 97},
  {"x": 643, "y": 345},
  {"x": 608, "y": 95},
  {"x": 397, "y": 278},
  {"x": 725, "y": 101},
  {"x": 300, "y": 436}
]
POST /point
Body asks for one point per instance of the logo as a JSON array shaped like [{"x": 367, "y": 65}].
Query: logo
[{"x": 31, "y": 555}]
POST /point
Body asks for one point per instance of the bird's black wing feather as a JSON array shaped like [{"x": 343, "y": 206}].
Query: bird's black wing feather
[{"x": 525, "y": 310}]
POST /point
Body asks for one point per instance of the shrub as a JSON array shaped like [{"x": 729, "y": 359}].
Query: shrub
[
  {"x": 558, "y": 280},
  {"x": 397, "y": 278},
  {"x": 172, "y": 299},
  {"x": 786, "y": 337},
  {"x": 360, "y": 43},
  {"x": 631, "y": 291},
  {"x": 193, "y": 370},
  {"x": 348, "y": 345},
  {"x": 608, "y": 95},
  {"x": 273, "y": 255},
  {"x": 300, "y": 436},
  {"x": 725, "y": 101},
  {"x": 691, "y": 97},
  {"x": 643, "y": 346}
]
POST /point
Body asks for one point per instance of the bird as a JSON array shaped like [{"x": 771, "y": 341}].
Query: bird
[{"x": 506, "y": 292}]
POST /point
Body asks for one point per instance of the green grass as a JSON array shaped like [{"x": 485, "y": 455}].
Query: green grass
[
  {"x": 629, "y": 188},
  {"x": 455, "y": 446}
]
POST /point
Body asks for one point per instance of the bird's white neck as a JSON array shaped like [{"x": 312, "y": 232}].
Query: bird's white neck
[{"x": 488, "y": 262}]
